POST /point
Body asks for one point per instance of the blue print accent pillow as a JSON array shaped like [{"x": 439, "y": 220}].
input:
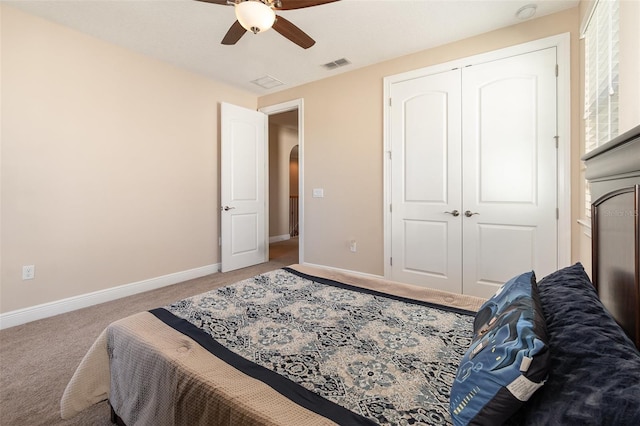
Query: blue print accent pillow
[{"x": 508, "y": 359}]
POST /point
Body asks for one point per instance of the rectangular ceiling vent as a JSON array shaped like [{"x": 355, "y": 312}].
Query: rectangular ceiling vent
[
  {"x": 336, "y": 64},
  {"x": 267, "y": 82}
]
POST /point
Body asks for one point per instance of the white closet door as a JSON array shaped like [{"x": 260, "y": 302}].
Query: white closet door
[
  {"x": 425, "y": 167},
  {"x": 509, "y": 162}
]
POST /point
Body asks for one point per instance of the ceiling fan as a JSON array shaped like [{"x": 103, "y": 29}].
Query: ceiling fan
[{"x": 259, "y": 15}]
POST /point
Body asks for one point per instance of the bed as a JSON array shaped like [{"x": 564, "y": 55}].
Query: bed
[{"x": 310, "y": 346}]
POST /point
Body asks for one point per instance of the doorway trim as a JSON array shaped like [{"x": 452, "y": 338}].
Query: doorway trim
[
  {"x": 562, "y": 43},
  {"x": 296, "y": 104}
]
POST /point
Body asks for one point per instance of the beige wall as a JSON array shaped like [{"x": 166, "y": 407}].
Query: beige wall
[
  {"x": 343, "y": 143},
  {"x": 109, "y": 164},
  {"x": 629, "y": 64}
]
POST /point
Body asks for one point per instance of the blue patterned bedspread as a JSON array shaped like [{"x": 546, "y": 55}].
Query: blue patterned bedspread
[{"x": 353, "y": 355}]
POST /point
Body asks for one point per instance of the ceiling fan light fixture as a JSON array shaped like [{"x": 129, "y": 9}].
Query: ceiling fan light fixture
[{"x": 255, "y": 16}]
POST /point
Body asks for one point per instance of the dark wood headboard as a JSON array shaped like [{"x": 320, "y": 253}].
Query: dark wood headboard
[{"x": 613, "y": 171}]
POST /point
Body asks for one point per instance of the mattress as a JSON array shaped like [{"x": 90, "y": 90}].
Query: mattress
[{"x": 155, "y": 373}]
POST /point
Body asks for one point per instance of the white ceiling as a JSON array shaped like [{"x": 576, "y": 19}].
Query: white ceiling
[{"x": 187, "y": 33}]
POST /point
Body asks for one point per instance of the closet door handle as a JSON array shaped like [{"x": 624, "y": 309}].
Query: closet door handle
[
  {"x": 469, "y": 213},
  {"x": 454, "y": 213},
  {"x": 227, "y": 208}
]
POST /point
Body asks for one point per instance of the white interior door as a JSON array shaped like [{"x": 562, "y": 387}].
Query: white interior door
[
  {"x": 243, "y": 182},
  {"x": 509, "y": 158},
  {"x": 425, "y": 168}
]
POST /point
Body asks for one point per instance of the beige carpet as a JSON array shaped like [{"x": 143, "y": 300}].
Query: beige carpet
[{"x": 38, "y": 359}]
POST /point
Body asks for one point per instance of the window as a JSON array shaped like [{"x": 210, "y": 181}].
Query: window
[{"x": 601, "y": 46}]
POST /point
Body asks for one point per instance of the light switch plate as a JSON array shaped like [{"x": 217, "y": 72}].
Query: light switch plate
[{"x": 318, "y": 193}]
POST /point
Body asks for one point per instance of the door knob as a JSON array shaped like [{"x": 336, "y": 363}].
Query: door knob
[
  {"x": 226, "y": 208},
  {"x": 469, "y": 213},
  {"x": 454, "y": 213}
]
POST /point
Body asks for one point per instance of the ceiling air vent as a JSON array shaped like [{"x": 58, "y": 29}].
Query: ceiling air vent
[
  {"x": 267, "y": 82},
  {"x": 336, "y": 64}
]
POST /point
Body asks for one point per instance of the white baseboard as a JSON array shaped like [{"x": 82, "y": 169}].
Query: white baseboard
[
  {"x": 346, "y": 271},
  {"x": 279, "y": 238},
  {"x": 32, "y": 313}
]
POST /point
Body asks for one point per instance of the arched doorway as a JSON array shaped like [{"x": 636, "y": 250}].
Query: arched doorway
[{"x": 293, "y": 193}]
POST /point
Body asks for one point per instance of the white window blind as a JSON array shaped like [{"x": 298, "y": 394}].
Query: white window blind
[{"x": 601, "y": 45}]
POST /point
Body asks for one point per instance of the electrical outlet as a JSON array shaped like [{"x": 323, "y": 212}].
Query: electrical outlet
[
  {"x": 28, "y": 272},
  {"x": 353, "y": 246}
]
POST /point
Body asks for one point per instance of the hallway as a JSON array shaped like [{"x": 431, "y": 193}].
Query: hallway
[{"x": 284, "y": 251}]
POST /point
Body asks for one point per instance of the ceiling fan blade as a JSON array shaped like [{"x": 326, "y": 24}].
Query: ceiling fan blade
[
  {"x": 299, "y": 4},
  {"x": 233, "y": 35},
  {"x": 293, "y": 33},
  {"x": 222, "y": 2}
]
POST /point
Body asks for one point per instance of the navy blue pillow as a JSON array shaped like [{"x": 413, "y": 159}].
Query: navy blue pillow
[
  {"x": 594, "y": 377},
  {"x": 508, "y": 357}
]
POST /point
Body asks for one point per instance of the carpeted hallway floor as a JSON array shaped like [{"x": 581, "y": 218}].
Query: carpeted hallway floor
[{"x": 38, "y": 359}]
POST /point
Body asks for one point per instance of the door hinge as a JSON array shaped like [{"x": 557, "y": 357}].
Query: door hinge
[
  {"x": 557, "y": 213},
  {"x": 557, "y": 138},
  {"x": 390, "y": 102},
  {"x": 390, "y": 208},
  {"x": 557, "y": 70},
  {"x": 391, "y": 261},
  {"x": 389, "y": 152}
]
